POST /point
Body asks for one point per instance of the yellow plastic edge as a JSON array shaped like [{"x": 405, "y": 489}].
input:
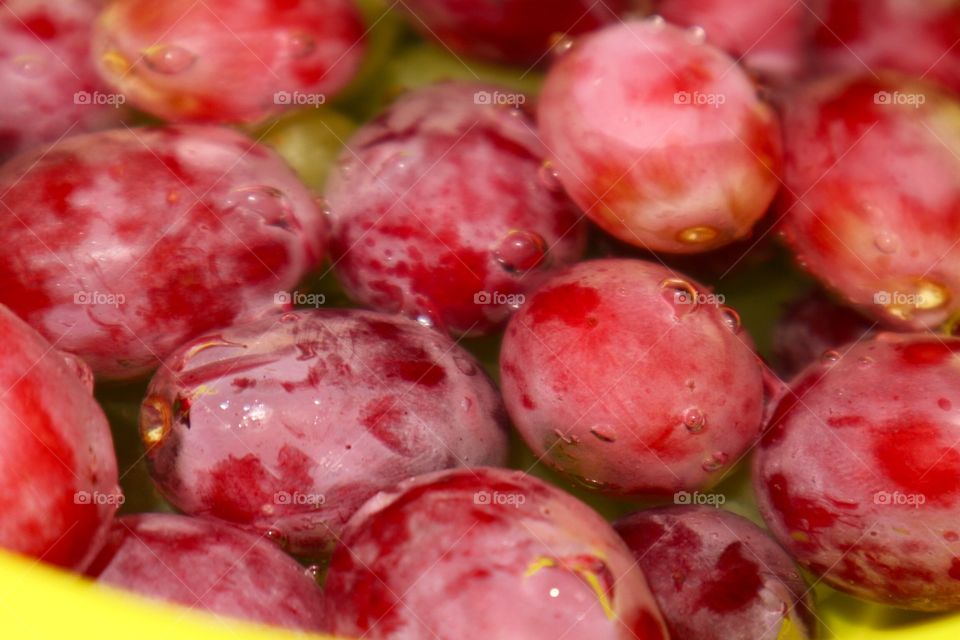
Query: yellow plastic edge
[{"x": 38, "y": 601}]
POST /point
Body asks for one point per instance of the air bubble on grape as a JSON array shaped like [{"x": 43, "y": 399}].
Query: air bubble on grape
[
  {"x": 520, "y": 251},
  {"x": 301, "y": 45},
  {"x": 168, "y": 59},
  {"x": 681, "y": 294},
  {"x": 694, "y": 420},
  {"x": 887, "y": 242},
  {"x": 155, "y": 420},
  {"x": 829, "y": 357},
  {"x": 656, "y": 22},
  {"x": 549, "y": 176},
  {"x": 562, "y": 44},
  {"x": 276, "y": 536},
  {"x": 698, "y": 235},
  {"x": 697, "y": 35},
  {"x": 730, "y": 318},
  {"x": 265, "y": 201},
  {"x": 715, "y": 462}
]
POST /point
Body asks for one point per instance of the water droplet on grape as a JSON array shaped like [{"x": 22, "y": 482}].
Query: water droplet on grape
[
  {"x": 694, "y": 420},
  {"x": 289, "y": 317},
  {"x": 323, "y": 205},
  {"x": 887, "y": 242},
  {"x": 314, "y": 571},
  {"x": 561, "y": 44},
  {"x": 520, "y": 251},
  {"x": 301, "y": 45},
  {"x": 681, "y": 294},
  {"x": 29, "y": 66},
  {"x": 277, "y": 536},
  {"x": 424, "y": 320},
  {"x": 656, "y": 22},
  {"x": 864, "y": 361},
  {"x": 155, "y": 420},
  {"x": 554, "y": 592},
  {"x": 944, "y": 404},
  {"x": 715, "y": 462},
  {"x": 465, "y": 365},
  {"x": 225, "y": 405},
  {"x": 168, "y": 59},
  {"x": 730, "y": 318},
  {"x": 567, "y": 439},
  {"x": 951, "y": 536},
  {"x": 603, "y": 432},
  {"x": 697, "y": 35},
  {"x": 549, "y": 176},
  {"x": 264, "y": 201},
  {"x": 829, "y": 357},
  {"x": 697, "y": 235}
]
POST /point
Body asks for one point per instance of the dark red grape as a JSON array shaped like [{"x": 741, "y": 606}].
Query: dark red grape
[
  {"x": 717, "y": 576},
  {"x": 511, "y": 31}
]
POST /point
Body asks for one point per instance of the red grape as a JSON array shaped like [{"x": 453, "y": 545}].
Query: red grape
[
  {"x": 680, "y": 158},
  {"x": 288, "y": 424},
  {"x": 442, "y": 208},
  {"x": 211, "y": 567},
  {"x": 58, "y": 470},
  {"x": 858, "y": 474},
  {"x": 50, "y": 86},
  {"x": 485, "y": 553},
  {"x": 228, "y": 60},
  {"x": 632, "y": 379},
  {"x": 717, "y": 576},
  {"x": 121, "y": 245},
  {"x": 511, "y": 31},
  {"x": 873, "y": 182}
]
